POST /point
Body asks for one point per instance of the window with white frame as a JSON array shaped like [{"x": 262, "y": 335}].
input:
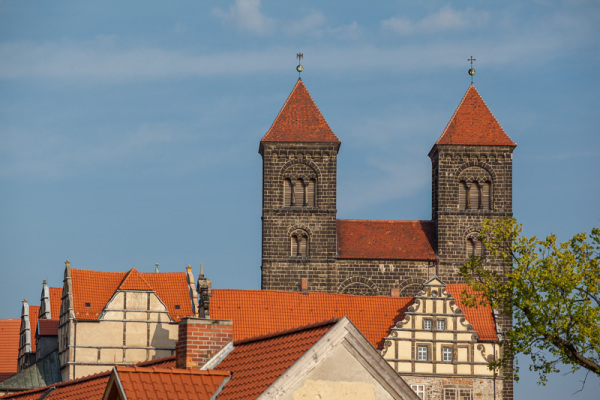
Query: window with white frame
[
  {"x": 447, "y": 354},
  {"x": 427, "y": 324},
  {"x": 441, "y": 325},
  {"x": 422, "y": 353},
  {"x": 419, "y": 390}
]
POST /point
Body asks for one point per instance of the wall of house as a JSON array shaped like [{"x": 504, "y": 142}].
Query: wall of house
[{"x": 135, "y": 326}]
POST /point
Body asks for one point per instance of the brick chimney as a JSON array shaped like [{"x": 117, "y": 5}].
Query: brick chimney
[{"x": 200, "y": 339}]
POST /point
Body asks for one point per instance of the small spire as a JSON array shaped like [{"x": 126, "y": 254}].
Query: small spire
[
  {"x": 156, "y": 268},
  {"x": 188, "y": 268},
  {"x": 201, "y": 269},
  {"x": 299, "y": 68},
  {"x": 67, "y": 263},
  {"x": 471, "y": 70}
]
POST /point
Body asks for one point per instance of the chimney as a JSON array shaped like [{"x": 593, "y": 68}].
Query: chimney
[
  {"x": 200, "y": 339},
  {"x": 304, "y": 285},
  {"x": 395, "y": 292},
  {"x": 204, "y": 290}
]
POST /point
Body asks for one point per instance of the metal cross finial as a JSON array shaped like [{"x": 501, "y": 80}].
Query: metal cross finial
[
  {"x": 299, "y": 68},
  {"x": 471, "y": 70}
]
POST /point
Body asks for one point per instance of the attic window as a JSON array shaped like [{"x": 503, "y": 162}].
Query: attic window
[
  {"x": 177, "y": 306},
  {"x": 88, "y": 304}
]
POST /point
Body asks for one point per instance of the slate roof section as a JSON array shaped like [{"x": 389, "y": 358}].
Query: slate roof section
[
  {"x": 44, "y": 372},
  {"x": 473, "y": 124},
  {"x": 386, "y": 240},
  {"x": 258, "y": 312},
  {"x": 162, "y": 383},
  {"x": 255, "y": 364},
  {"x": 47, "y": 327},
  {"x": 481, "y": 317},
  {"x": 97, "y": 288},
  {"x": 9, "y": 347},
  {"x": 300, "y": 120}
]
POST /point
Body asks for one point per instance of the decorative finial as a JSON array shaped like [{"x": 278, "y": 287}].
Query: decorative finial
[
  {"x": 201, "y": 269},
  {"x": 156, "y": 267},
  {"x": 67, "y": 263},
  {"x": 299, "y": 68},
  {"x": 471, "y": 70}
]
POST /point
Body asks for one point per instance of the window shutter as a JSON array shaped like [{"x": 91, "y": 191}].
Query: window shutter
[
  {"x": 287, "y": 192},
  {"x": 310, "y": 201},
  {"x": 485, "y": 196},
  {"x": 294, "y": 249},
  {"x": 470, "y": 247},
  {"x": 299, "y": 193},
  {"x": 462, "y": 195},
  {"x": 302, "y": 251},
  {"x": 474, "y": 196}
]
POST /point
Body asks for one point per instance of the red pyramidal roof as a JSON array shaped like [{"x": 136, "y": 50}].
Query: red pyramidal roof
[
  {"x": 300, "y": 120},
  {"x": 473, "y": 124}
]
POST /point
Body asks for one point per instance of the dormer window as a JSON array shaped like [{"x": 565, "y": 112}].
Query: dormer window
[
  {"x": 88, "y": 304},
  {"x": 177, "y": 307}
]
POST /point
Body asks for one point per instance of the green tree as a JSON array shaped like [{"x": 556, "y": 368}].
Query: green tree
[{"x": 552, "y": 292}]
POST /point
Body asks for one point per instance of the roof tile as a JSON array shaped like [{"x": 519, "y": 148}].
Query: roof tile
[
  {"x": 300, "y": 120},
  {"x": 34, "y": 311},
  {"x": 384, "y": 240},
  {"x": 48, "y": 327},
  {"x": 9, "y": 347},
  {"x": 259, "y": 312},
  {"x": 55, "y": 301},
  {"x": 474, "y": 124},
  {"x": 481, "y": 317}
]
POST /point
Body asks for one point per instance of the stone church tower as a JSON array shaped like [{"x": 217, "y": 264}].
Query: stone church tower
[{"x": 305, "y": 245}]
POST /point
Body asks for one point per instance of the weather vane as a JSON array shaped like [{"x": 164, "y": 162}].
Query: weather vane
[
  {"x": 471, "y": 70},
  {"x": 299, "y": 68}
]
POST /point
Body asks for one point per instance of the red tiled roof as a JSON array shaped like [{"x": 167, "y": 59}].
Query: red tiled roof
[
  {"x": 134, "y": 281},
  {"x": 162, "y": 383},
  {"x": 97, "y": 288},
  {"x": 55, "y": 301},
  {"x": 386, "y": 240},
  {"x": 9, "y": 347},
  {"x": 48, "y": 327},
  {"x": 300, "y": 120},
  {"x": 162, "y": 362},
  {"x": 256, "y": 363},
  {"x": 34, "y": 311},
  {"x": 87, "y": 388},
  {"x": 259, "y": 312},
  {"x": 474, "y": 124},
  {"x": 481, "y": 317}
]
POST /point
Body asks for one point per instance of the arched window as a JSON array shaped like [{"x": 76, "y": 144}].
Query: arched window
[
  {"x": 470, "y": 247},
  {"x": 485, "y": 196},
  {"x": 299, "y": 244},
  {"x": 473, "y": 200},
  {"x": 299, "y": 193},
  {"x": 475, "y": 189},
  {"x": 288, "y": 191},
  {"x": 474, "y": 245},
  {"x": 311, "y": 193},
  {"x": 462, "y": 195}
]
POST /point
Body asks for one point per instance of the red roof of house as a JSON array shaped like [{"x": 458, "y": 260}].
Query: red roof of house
[
  {"x": 34, "y": 312},
  {"x": 48, "y": 327},
  {"x": 259, "y": 312},
  {"x": 300, "y": 120},
  {"x": 55, "y": 301},
  {"x": 256, "y": 363},
  {"x": 474, "y": 124},
  {"x": 481, "y": 317},
  {"x": 385, "y": 240},
  {"x": 169, "y": 383},
  {"x": 9, "y": 347},
  {"x": 97, "y": 288}
]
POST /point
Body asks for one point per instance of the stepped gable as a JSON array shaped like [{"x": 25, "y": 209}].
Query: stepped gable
[
  {"x": 473, "y": 124},
  {"x": 258, "y": 312},
  {"x": 165, "y": 383},
  {"x": 481, "y": 317},
  {"x": 255, "y": 364},
  {"x": 9, "y": 347},
  {"x": 134, "y": 281},
  {"x": 96, "y": 288},
  {"x": 386, "y": 240},
  {"x": 300, "y": 120}
]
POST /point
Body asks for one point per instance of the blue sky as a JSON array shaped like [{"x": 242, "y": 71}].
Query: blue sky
[{"x": 129, "y": 131}]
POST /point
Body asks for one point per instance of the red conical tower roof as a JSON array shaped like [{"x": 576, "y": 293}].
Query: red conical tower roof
[
  {"x": 473, "y": 124},
  {"x": 300, "y": 120}
]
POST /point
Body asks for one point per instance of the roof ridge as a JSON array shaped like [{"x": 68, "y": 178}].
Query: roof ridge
[
  {"x": 287, "y": 331},
  {"x": 312, "y": 292},
  {"x": 385, "y": 220},
  {"x": 172, "y": 370},
  {"x": 155, "y": 361}
]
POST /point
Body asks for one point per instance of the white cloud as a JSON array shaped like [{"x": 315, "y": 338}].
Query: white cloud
[
  {"x": 246, "y": 15},
  {"x": 445, "y": 19},
  {"x": 308, "y": 25}
]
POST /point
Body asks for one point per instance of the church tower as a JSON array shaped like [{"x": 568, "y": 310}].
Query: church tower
[
  {"x": 299, "y": 196},
  {"x": 471, "y": 181}
]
